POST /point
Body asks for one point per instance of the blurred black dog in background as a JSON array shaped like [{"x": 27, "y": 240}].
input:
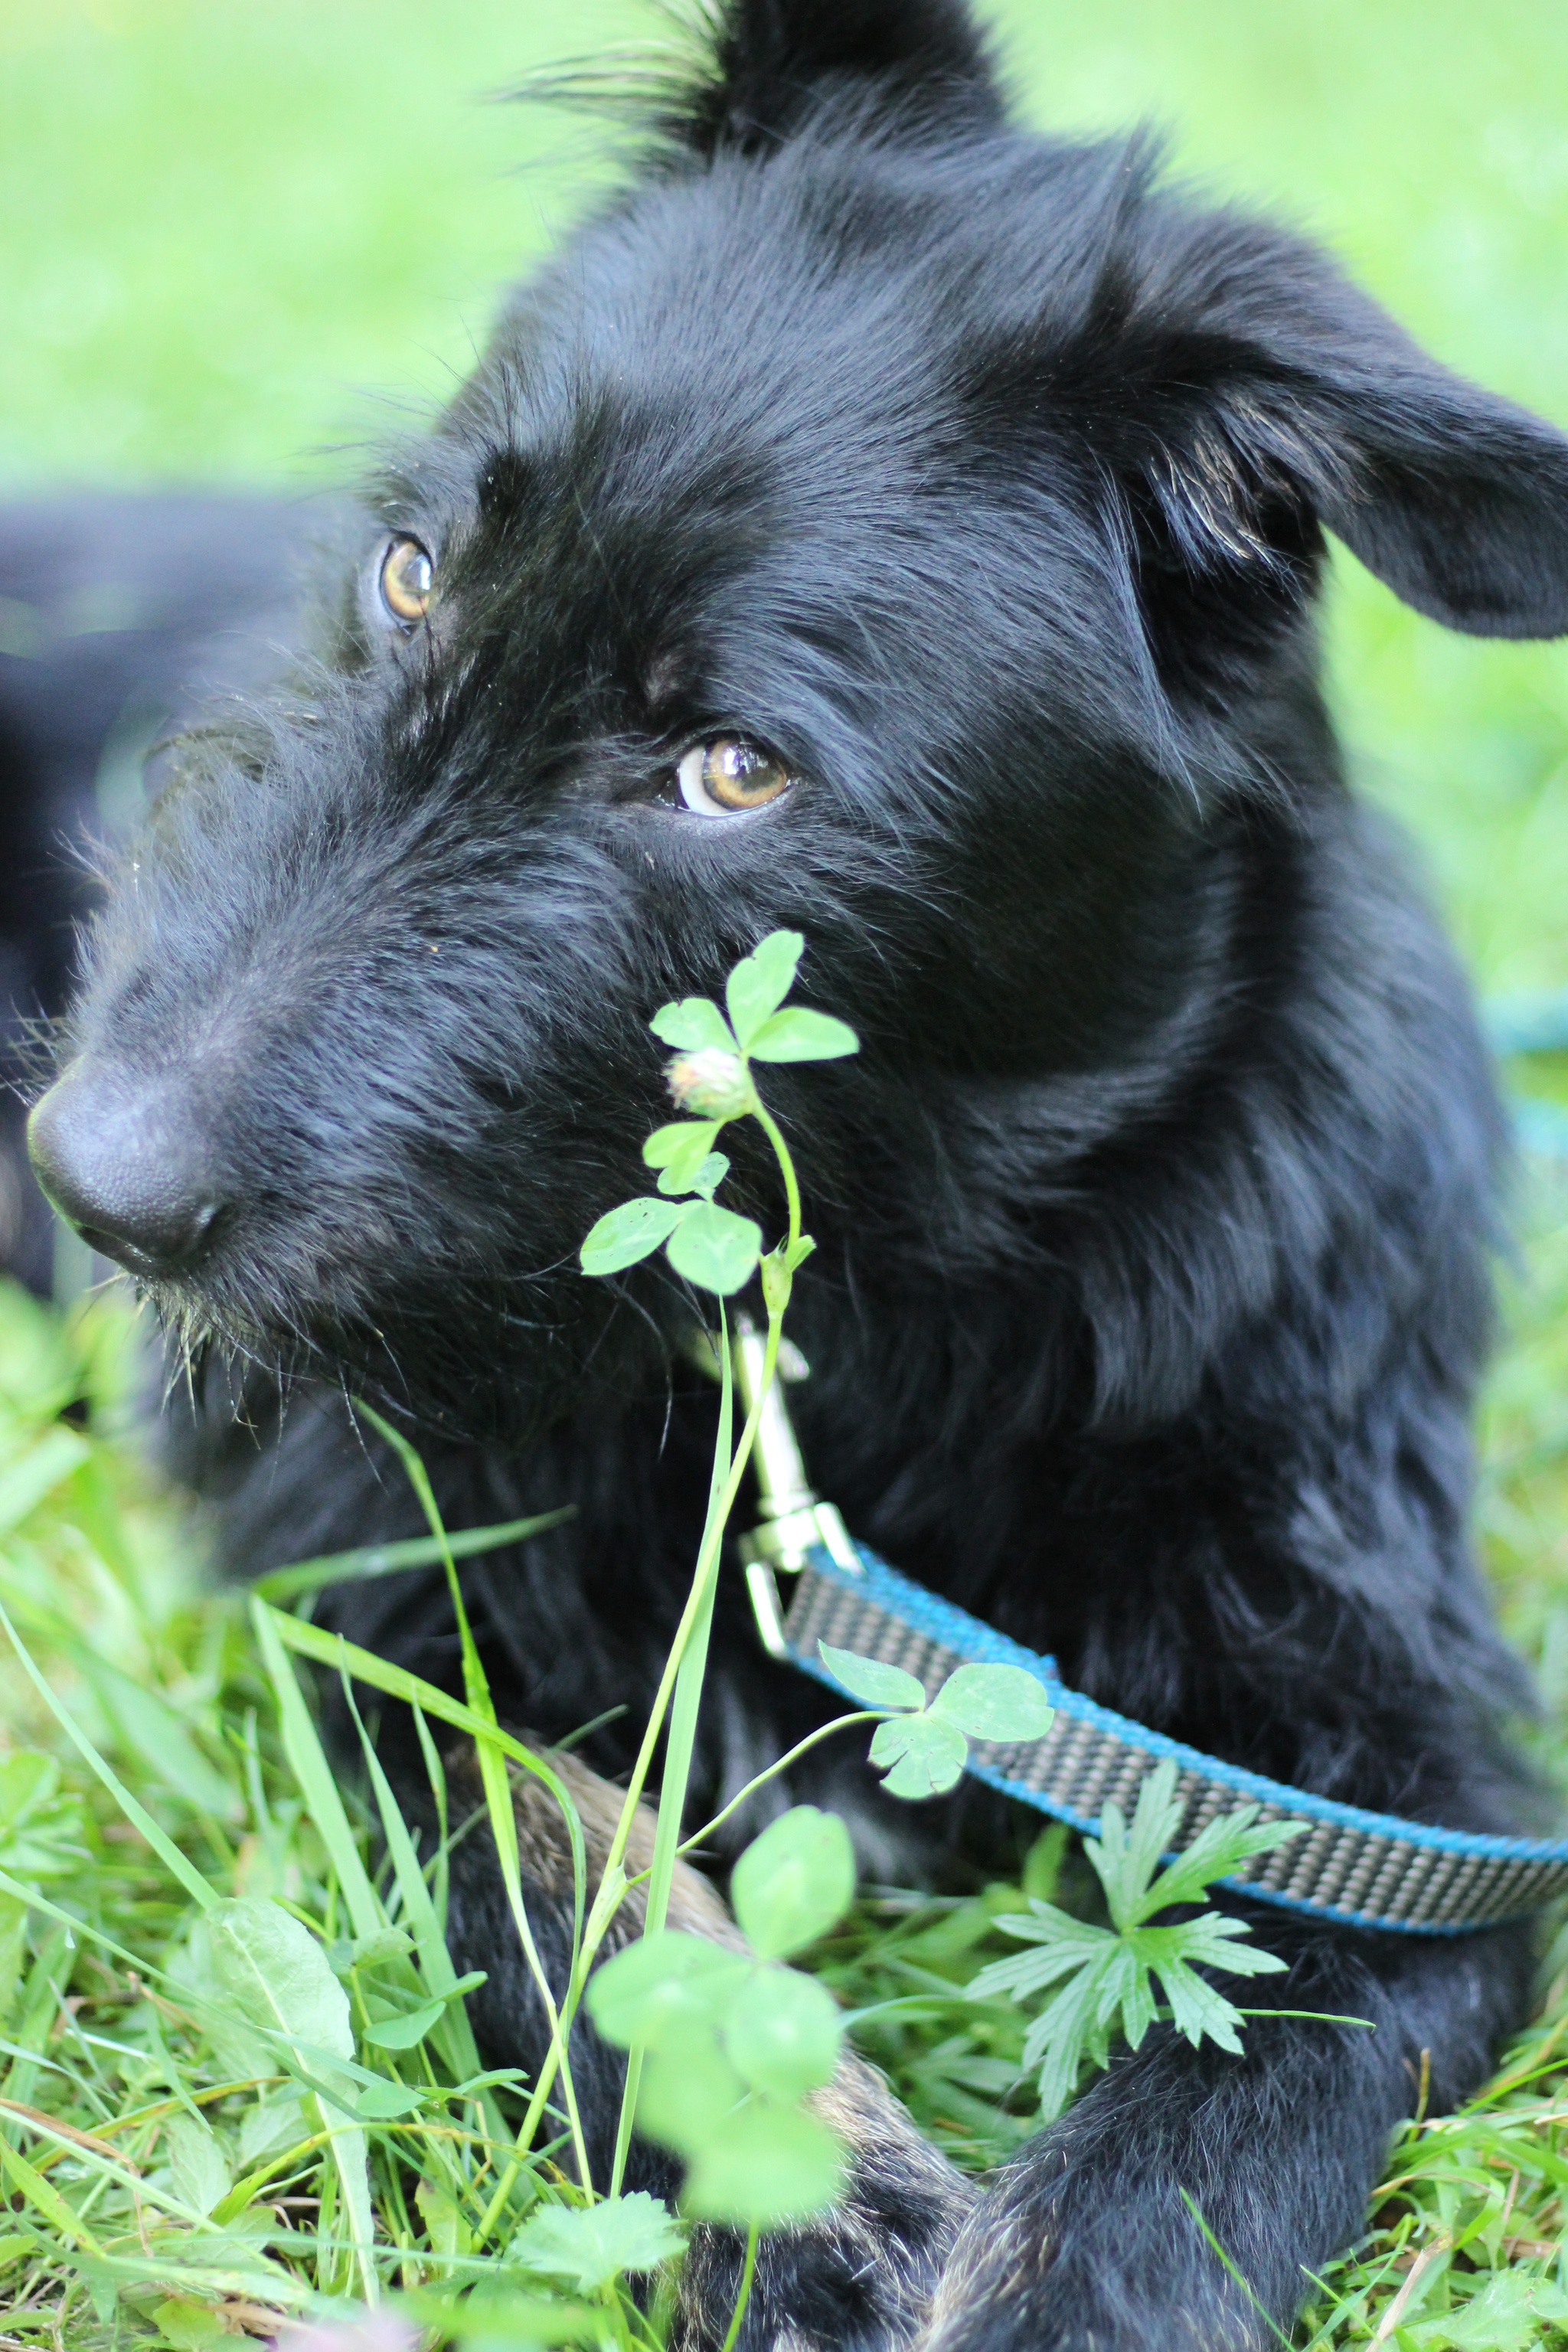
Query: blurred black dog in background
[
  {"x": 886, "y": 523},
  {"x": 120, "y": 619}
]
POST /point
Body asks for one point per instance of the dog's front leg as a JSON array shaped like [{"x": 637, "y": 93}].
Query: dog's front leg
[
  {"x": 1180, "y": 2205},
  {"x": 858, "y": 2278}
]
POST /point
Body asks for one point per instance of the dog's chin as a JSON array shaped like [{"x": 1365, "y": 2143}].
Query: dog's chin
[{"x": 471, "y": 1368}]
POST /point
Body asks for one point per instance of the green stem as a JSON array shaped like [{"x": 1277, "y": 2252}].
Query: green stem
[
  {"x": 744, "y": 2299},
  {"x": 770, "y": 1127},
  {"x": 802, "y": 1747},
  {"x": 695, "y": 1614},
  {"x": 678, "y": 1754}
]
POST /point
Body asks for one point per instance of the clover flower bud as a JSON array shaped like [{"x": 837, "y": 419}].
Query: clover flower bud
[{"x": 710, "y": 1082}]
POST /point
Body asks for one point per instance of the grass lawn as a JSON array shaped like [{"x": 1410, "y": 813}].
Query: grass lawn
[{"x": 237, "y": 239}]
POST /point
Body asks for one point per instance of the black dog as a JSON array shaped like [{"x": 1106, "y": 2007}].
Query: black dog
[{"x": 885, "y": 523}]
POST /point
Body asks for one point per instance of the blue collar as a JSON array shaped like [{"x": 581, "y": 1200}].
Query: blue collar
[{"x": 1363, "y": 1869}]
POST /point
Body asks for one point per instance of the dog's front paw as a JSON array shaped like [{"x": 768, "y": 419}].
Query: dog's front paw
[
  {"x": 858, "y": 2278},
  {"x": 1031, "y": 2271}
]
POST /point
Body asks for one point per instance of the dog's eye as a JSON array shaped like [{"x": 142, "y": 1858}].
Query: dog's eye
[
  {"x": 728, "y": 775},
  {"x": 405, "y": 582}
]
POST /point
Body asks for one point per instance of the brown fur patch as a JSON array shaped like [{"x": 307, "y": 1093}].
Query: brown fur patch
[{"x": 545, "y": 1849}]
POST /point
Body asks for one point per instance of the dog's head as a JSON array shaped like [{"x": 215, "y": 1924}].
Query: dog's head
[{"x": 877, "y": 521}]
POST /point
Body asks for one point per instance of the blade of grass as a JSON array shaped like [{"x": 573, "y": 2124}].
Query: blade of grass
[
  {"x": 46, "y": 2199},
  {"x": 679, "y": 1743},
  {"x": 163, "y": 1846},
  {"x": 498, "y": 1804},
  {"x": 457, "y": 2035},
  {"x": 389, "y": 1558},
  {"x": 317, "y": 1786}
]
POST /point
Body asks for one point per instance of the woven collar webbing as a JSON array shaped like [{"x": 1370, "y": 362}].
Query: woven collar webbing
[{"x": 1370, "y": 1870}]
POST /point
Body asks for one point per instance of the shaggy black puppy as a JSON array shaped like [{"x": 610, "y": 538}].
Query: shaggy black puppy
[{"x": 884, "y": 522}]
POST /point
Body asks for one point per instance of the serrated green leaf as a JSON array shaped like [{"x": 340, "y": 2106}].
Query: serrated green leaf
[
  {"x": 1127, "y": 1996},
  {"x": 869, "y": 1681},
  {"x": 715, "y": 1249},
  {"x": 589, "y": 2245},
  {"x": 761, "y": 982},
  {"x": 794, "y": 1882},
  {"x": 922, "y": 1756},
  {"x": 633, "y": 1231},
  {"x": 796, "y": 1034},
  {"x": 1125, "y": 1861},
  {"x": 1217, "y": 1852},
  {"x": 1065, "y": 1944},
  {"x": 993, "y": 1702},
  {"x": 1210, "y": 1941},
  {"x": 783, "y": 2033},
  {"x": 692, "y": 1024},
  {"x": 1061, "y": 2035},
  {"x": 762, "y": 2165},
  {"x": 1198, "y": 2009}
]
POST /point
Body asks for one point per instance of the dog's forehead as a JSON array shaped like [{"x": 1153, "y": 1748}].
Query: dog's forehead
[
  {"x": 737, "y": 413},
  {"x": 778, "y": 333}
]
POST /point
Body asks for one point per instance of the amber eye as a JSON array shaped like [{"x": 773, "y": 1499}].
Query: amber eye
[
  {"x": 406, "y": 577},
  {"x": 728, "y": 775}
]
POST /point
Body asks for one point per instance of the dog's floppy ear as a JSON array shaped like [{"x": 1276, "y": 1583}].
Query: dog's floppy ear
[
  {"x": 769, "y": 60},
  {"x": 1240, "y": 392}
]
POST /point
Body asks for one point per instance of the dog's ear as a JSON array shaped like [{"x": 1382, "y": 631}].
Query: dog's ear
[
  {"x": 1239, "y": 393},
  {"x": 769, "y": 59}
]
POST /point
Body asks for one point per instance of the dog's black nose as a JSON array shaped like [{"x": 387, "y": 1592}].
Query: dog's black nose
[{"x": 126, "y": 1164}]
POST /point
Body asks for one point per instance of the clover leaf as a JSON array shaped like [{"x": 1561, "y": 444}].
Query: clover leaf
[
  {"x": 633, "y": 1231},
  {"x": 995, "y": 1702},
  {"x": 715, "y": 1248},
  {"x": 692, "y": 1025},
  {"x": 794, "y": 1882},
  {"x": 925, "y": 1746},
  {"x": 798, "y": 1035},
  {"x": 763, "y": 2165},
  {"x": 760, "y": 982},
  {"x": 868, "y": 1680},
  {"x": 679, "y": 1152},
  {"x": 923, "y": 1756},
  {"x": 732, "y": 2040}
]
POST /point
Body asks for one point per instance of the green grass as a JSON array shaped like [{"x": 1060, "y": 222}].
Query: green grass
[
  {"x": 242, "y": 237},
  {"x": 165, "y": 2183}
]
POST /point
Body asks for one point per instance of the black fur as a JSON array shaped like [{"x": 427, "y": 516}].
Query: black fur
[{"x": 985, "y": 479}]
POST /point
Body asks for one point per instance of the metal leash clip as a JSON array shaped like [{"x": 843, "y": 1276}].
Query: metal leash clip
[{"x": 793, "y": 1522}]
